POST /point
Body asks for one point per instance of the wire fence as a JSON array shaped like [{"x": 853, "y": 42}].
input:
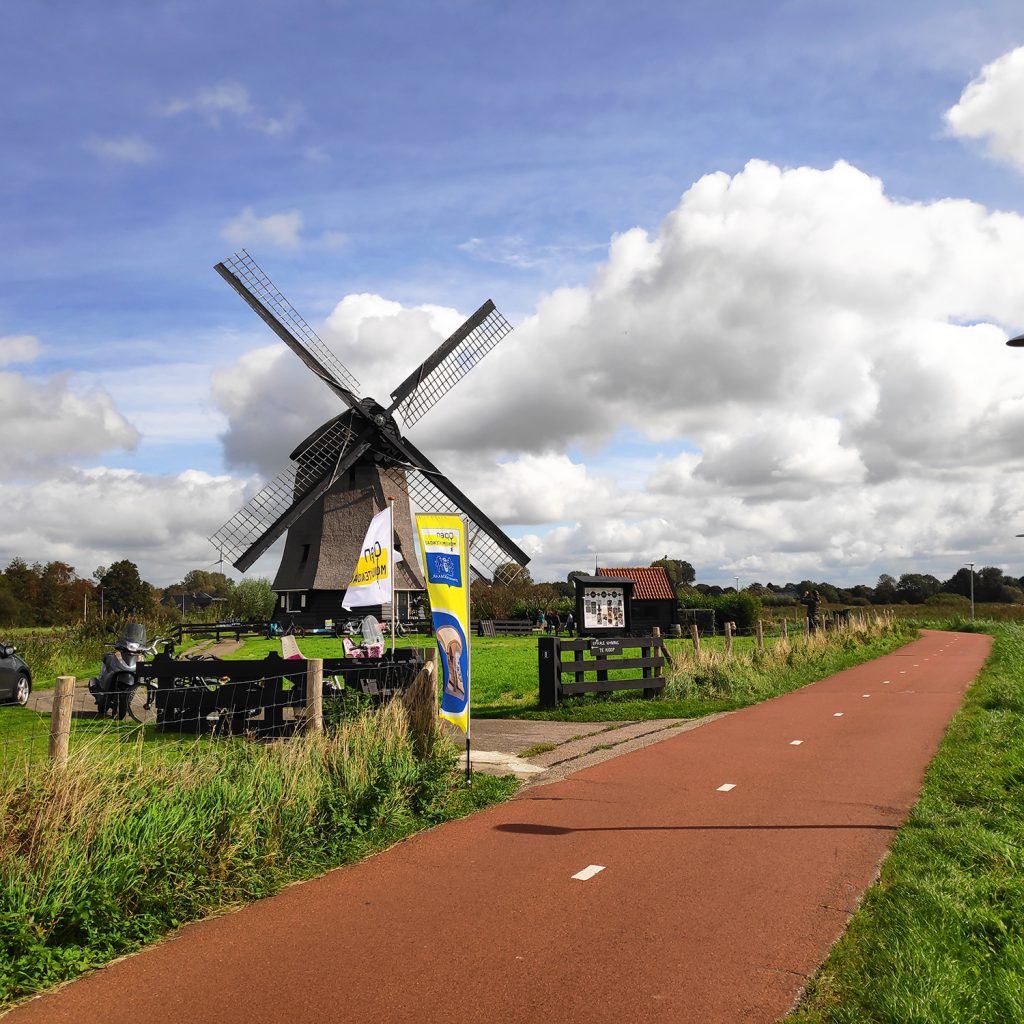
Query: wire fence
[{"x": 174, "y": 704}]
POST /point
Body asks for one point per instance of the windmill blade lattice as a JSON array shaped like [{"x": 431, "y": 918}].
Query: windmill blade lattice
[
  {"x": 486, "y": 554},
  {"x": 311, "y": 467},
  {"x": 436, "y": 376},
  {"x": 251, "y": 275}
]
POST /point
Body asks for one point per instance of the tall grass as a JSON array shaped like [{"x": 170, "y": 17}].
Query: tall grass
[
  {"x": 121, "y": 847},
  {"x": 749, "y": 675},
  {"x": 68, "y": 650},
  {"x": 940, "y": 938}
]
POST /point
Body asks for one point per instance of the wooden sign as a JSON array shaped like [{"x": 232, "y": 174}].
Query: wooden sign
[{"x": 603, "y": 646}]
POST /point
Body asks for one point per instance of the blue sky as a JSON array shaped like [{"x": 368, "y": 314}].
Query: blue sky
[{"x": 435, "y": 152}]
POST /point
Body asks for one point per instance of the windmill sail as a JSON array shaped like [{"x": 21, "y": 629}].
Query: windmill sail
[
  {"x": 244, "y": 274},
  {"x": 449, "y": 363},
  {"x": 488, "y": 552},
  {"x": 269, "y": 512}
]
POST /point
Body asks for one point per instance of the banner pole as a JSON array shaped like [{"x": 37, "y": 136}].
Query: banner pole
[
  {"x": 394, "y": 568},
  {"x": 469, "y": 654}
]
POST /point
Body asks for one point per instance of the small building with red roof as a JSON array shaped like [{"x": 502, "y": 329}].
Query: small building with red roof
[{"x": 654, "y": 599}]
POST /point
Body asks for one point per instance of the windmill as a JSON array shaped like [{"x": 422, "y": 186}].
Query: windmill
[{"x": 347, "y": 469}]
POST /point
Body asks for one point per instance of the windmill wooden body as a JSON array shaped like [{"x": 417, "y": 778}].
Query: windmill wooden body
[{"x": 345, "y": 471}]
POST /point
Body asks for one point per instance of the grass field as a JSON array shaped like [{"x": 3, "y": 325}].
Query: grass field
[
  {"x": 940, "y": 938},
  {"x": 505, "y": 674}
]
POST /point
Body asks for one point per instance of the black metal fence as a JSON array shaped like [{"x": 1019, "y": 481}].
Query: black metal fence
[{"x": 263, "y": 697}]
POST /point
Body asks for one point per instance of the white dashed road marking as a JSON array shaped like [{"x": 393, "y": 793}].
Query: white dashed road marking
[
  {"x": 838, "y": 714},
  {"x": 588, "y": 872},
  {"x": 885, "y": 682},
  {"x": 865, "y": 694},
  {"x": 795, "y": 743},
  {"x": 726, "y": 786}
]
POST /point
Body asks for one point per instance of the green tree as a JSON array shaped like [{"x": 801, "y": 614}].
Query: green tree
[
  {"x": 679, "y": 573},
  {"x": 251, "y": 600},
  {"x": 916, "y": 588},
  {"x": 885, "y": 590},
  {"x": 124, "y": 590},
  {"x": 202, "y": 581}
]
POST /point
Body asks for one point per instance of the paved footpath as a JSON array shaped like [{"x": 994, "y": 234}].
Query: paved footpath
[{"x": 730, "y": 860}]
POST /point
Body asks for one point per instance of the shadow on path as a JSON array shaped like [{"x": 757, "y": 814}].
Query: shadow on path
[{"x": 528, "y": 829}]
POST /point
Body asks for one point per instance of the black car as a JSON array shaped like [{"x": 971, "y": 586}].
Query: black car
[{"x": 15, "y": 677}]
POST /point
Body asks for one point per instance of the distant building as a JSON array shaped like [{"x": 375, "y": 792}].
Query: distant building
[{"x": 654, "y": 600}]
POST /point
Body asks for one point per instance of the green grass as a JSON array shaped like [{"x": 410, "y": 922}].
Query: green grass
[
  {"x": 125, "y": 845},
  {"x": 537, "y": 748},
  {"x": 505, "y": 679},
  {"x": 940, "y": 938},
  {"x": 715, "y": 683}
]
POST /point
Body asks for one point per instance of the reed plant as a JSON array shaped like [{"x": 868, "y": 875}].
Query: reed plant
[
  {"x": 749, "y": 675},
  {"x": 124, "y": 845}
]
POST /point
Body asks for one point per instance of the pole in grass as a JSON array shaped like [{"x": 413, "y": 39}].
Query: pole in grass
[
  {"x": 391, "y": 556},
  {"x": 970, "y": 565}
]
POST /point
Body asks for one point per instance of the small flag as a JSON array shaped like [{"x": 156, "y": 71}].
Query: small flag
[{"x": 372, "y": 579}]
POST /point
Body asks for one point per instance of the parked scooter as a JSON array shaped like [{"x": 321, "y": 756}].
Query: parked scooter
[{"x": 112, "y": 688}]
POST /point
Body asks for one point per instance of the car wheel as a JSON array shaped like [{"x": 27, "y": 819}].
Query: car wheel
[{"x": 22, "y": 688}]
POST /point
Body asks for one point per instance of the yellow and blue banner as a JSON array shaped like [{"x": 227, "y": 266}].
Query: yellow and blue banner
[{"x": 445, "y": 548}]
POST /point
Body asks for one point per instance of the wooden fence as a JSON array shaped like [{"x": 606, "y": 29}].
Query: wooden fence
[{"x": 597, "y": 657}]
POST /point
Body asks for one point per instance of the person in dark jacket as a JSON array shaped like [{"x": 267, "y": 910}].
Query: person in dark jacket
[{"x": 812, "y": 601}]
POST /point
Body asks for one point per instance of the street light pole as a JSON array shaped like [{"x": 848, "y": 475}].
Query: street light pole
[{"x": 970, "y": 565}]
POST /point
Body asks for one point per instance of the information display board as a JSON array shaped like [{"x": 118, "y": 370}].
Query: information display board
[{"x": 603, "y": 605}]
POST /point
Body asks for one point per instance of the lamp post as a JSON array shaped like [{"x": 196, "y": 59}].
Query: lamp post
[{"x": 970, "y": 565}]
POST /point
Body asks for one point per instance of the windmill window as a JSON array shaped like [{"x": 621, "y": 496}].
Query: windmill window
[
  {"x": 305, "y": 554},
  {"x": 282, "y": 601},
  {"x": 302, "y": 601}
]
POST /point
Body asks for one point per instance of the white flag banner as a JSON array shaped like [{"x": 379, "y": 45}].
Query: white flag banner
[{"x": 374, "y": 573}]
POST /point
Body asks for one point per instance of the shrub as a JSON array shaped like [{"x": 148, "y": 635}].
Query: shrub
[{"x": 744, "y": 609}]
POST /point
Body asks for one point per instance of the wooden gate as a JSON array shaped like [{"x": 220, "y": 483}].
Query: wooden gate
[{"x": 588, "y": 661}]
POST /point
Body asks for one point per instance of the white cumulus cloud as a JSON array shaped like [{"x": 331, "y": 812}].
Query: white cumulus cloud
[
  {"x": 831, "y": 357},
  {"x": 125, "y": 149},
  {"x": 278, "y": 230},
  {"x": 991, "y": 108},
  {"x": 230, "y": 101}
]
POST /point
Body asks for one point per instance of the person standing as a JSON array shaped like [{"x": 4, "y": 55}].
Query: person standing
[{"x": 812, "y": 602}]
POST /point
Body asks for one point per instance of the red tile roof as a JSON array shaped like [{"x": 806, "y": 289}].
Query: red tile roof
[{"x": 652, "y": 582}]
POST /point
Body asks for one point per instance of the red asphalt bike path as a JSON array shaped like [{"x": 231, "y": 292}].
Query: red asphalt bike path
[{"x": 712, "y": 905}]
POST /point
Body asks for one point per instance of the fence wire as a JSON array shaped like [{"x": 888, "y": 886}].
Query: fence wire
[{"x": 203, "y": 703}]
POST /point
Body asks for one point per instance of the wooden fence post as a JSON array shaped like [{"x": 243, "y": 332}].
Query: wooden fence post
[
  {"x": 665, "y": 652},
  {"x": 315, "y": 695},
  {"x": 548, "y": 670},
  {"x": 420, "y": 701},
  {"x": 648, "y": 652},
  {"x": 695, "y": 634},
  {"x": 807, "y": 627},
  {"x": 785, "y": 628},
  {"x": 760, "y": 636},
  {"x": 60, "y": 719},
  {"x": 728, "y": 639}
]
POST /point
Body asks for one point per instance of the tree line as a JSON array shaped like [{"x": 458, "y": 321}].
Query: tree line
[{"x": 54, "y": 594}]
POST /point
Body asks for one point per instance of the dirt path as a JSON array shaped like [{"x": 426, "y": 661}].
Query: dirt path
[{"x": 713, "y": 904}]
